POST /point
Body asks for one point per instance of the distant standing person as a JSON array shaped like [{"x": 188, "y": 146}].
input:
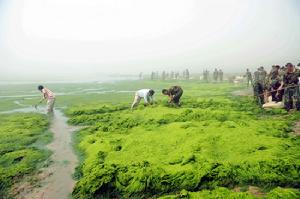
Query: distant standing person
[
  {"x": 205, "y": 76},
  {"x": 221, "y": 75},
  {"x": 215, "y": 75},
  {"x": 258, "y": 86},
  {"x": 174, "y": 93},
  {"x": 49, "y": 96},
  {"x": 249, "y": 77},
  {"x": 147, "y": 94},
  {"x": 187, "y": 74}
]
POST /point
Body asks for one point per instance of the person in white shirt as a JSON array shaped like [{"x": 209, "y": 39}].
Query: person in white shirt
[{"x": 147, "y": 94}]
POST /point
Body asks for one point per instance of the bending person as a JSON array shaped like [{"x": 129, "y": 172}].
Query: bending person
[
  {"x": 49, "y": 96},
  {"x": 174, "y": 93},
  {"x": 147, "y": 94}
]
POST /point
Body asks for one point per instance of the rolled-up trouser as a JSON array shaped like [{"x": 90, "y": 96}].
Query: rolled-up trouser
[
  {"x": 291, "y": 97},
  {"x": 50, "y": 105},
  {"x": 177, "y": 96},
  {"x": 136, "y": 101}
]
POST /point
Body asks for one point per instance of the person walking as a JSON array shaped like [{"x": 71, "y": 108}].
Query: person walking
[{"x": 249, "y": 77}]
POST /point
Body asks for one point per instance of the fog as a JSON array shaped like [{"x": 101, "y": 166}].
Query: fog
[{"x": 46, "y": 40}]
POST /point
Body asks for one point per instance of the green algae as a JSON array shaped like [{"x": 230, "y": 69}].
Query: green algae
[
  {"x": 206, "y": 143},
  {"x": 23, "y": 136},
  {"x": 224, "y": 193}
]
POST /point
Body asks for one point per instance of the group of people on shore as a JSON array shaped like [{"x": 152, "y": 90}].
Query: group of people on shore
[
  {"x": 217, "y": 75},
  {"x": 281, "y": 84},
  {"x": 172, "y": 75}
]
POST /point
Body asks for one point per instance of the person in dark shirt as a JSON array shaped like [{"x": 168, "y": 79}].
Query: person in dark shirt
[
  {"x": 174, "y": 93},
  {"x": 273, "y": 84}
]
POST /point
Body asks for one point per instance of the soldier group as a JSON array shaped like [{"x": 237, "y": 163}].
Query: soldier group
[
  {"x": 282, "y": 84},
  {"x": 217, "y": 75}
]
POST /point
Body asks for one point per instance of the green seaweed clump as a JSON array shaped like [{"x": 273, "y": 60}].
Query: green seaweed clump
[
  {"x": 21, "y": 146},
  {"x": 207, "y": 143}
]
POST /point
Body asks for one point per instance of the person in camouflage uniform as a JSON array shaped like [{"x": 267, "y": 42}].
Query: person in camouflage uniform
[
  {"x": 249, "y": 77},
  {"x": 258, "y": 86},
  {"x": 291, "y": 87}
]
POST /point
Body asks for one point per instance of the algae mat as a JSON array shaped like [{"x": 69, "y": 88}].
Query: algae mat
[{"x": 205, "y": 144}]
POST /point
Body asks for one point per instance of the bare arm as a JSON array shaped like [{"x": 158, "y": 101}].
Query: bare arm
[
  {"x": 41, "y": 100},
  {"x": 170, "y": 98}
]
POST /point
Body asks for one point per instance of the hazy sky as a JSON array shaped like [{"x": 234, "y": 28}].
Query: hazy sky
[{"x": 67, "y": 38}]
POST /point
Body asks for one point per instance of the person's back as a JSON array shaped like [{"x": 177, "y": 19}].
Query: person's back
[
  {"x": 175, "y": 89},
  {"x": 146, "y": 94},
  {"x": 143, "y": 92},
  {"x": 48, "y": 93},
  {"x": 256, "y": 76},
  {"x": 174, "y": 93},
  {"x": 262, "y": 76}
]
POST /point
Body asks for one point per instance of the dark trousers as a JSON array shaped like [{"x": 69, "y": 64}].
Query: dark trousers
[
  {"x": 259, "y": 93},
  {"x": 276, "y": 97},
  {"x": 291, "y": 96},
  {"x": 177, "y": 97}
]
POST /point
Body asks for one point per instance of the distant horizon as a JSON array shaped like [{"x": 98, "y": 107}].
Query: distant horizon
[{"x": 77, "y": 39}]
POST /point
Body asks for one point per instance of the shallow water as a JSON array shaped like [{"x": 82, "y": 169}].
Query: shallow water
[{"x": 58, "y": 183}]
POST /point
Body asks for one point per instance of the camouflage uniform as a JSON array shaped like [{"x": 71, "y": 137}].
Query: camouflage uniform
[
  {"x": 291, "y": 91},
  {"x": 249, "y": 78},
  {"x": 258, "y": 87}
]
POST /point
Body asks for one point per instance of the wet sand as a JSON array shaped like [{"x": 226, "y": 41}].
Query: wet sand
[{"x": 59, "y": 184}]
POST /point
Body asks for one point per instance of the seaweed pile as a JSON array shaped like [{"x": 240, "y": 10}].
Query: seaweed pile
[{"x": 207, "y": 147}]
